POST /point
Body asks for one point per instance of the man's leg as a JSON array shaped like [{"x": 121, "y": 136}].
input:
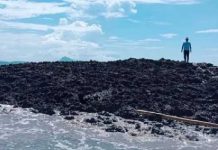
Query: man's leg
[
  {"x": 187, "y": 56},
  {"x": 184, "y": 56}
]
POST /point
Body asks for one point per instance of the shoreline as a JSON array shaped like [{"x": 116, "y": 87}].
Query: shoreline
[{"x": 106, "y": 122}]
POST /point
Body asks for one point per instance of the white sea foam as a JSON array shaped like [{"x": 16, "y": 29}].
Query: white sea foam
[{"x": 20, "y": 129}]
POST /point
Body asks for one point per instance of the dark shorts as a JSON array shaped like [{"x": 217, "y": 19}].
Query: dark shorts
[{"x": 186, "y": 53}]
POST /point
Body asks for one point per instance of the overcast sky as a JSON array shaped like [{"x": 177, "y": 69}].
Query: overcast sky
[{"x": 46, "y": 30}]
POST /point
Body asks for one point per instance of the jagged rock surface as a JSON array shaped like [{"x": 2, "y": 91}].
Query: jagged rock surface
[{"x": 165, "y": 86}]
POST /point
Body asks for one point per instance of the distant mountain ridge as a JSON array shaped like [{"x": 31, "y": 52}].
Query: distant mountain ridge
[
  {"x": 63, "y": 59},
  {"x": 11, "y": 62},
  {"x": 66, "y": 59}
]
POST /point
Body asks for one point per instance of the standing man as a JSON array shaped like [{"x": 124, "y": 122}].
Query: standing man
[{"x": 187, "y": 48}]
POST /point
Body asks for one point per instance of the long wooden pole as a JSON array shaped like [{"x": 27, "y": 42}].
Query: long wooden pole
[{"x": 190, "y": 121}]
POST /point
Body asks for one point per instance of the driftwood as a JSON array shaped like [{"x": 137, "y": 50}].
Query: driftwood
[{"x": 189, "y": 121}]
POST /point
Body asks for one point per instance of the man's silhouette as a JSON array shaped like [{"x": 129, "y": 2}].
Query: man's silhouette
[{"x": 187, "y": 48}]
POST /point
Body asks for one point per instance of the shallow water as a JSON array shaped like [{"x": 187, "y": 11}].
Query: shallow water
[{"x": 23, "y": 130}]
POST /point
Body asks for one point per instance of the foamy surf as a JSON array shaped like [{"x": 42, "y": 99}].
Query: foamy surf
[{"x": 22, "y": 129}]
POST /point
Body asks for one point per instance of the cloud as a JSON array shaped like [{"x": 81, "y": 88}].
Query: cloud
[
  {"x": 178, "y": 2},
  {"x": 115, "y": 8},
  {"x": 63, "y": 21},
  {"x": 169, "y": 35},
  {"x": 113, "y": 14},
  {"x": 133, "y": 20},
  {"x": 208, "y": 31},
  {"x": 18, "y": 9},
  {"x": 23, "y": 26},
  {"x": 151, "y": 40},
  {"x": 76, "y": 27},
  {"x": 74, "y": 35},
  {"x": 33, "y": 47},
  {"x": 113, "y": 38},
  {"x": 159, "y": 23},
  {"x": 65, "y": 39},
  {"x": 211, "y": 50},
  {"x": 148, "y": 43}
]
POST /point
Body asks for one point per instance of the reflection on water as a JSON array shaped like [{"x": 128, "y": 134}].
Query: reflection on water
[{"x": 22, "y": 130}]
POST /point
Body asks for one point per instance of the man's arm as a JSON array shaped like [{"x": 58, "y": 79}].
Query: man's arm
[
  {"x": 190, "y": 47},
  {"x": 182, "y": 47}
]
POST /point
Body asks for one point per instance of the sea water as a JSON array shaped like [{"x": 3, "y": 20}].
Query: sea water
[{"x": 20, "y": 129}]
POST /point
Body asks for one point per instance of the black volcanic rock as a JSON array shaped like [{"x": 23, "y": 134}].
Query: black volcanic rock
[
  {"x": 117, "y": 87},
  {"x": 92, "y": 120},
  {"x": 115, "y": 128}
]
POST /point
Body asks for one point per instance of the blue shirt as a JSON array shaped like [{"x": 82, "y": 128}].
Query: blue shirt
[{"x": 186, "y": 46}]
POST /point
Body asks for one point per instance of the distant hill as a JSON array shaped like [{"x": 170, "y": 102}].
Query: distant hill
[
  {"x": 12, "y": 62},
  {"x": 66, "y": 59},
  {"x": 63, "y": 59}
]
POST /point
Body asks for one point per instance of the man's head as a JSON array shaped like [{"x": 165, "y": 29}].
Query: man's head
[{"x": 186, "y": 39}]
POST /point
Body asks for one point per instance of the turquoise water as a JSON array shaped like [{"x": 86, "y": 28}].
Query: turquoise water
[{"x": 23, "y": 130}]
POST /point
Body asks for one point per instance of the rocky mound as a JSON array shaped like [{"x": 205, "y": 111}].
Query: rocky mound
[{"x": 165, "y": 86}]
